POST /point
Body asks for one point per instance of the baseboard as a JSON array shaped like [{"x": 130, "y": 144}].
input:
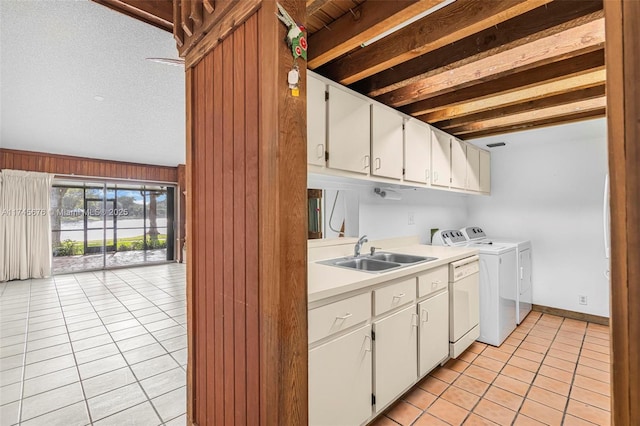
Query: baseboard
[{"x": 571, "y": 314}]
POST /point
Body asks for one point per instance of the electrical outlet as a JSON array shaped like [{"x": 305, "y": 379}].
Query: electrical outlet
[
  {"x": 412, "y": 219},
  {"x": 582, "y": 299}
]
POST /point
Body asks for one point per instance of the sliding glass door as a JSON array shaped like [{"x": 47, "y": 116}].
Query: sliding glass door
[{"x": 98, "y": 225}]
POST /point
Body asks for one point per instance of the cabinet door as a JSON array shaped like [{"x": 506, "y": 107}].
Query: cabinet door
[
  {"x": 458, "y": 163},
  {"x": 386, "y": 142},
  {"x": 349, "y": 132},
  {"x": 440, "y": 158},
  {"x": 396, "y": 355},
  {"x": 340, "y": 380},
  {"x": 417, "y": 151},
  {"x": 473, "y": 168},
  {"x": 316, "y": 121},
  {"x": 434, "y": 332},
  {"x": 485, "y": 171}
]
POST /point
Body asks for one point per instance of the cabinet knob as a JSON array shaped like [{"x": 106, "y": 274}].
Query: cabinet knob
[
  {"x": 320, "y": 150},
  {"x": 425, "y": 315},
  {"x": 345, "y": 316},
  {"x": 367, "y": 162},
  {"x": 399, "y": 296},
  {"x": 378, "y": 163}
]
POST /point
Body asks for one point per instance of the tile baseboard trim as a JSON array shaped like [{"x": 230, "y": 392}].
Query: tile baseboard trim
[{"x": 596, "y": 319}]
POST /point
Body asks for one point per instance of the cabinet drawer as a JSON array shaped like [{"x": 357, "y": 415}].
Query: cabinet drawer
[
  {"x": 394, "y": 295},
  {"x": 433, "y": 280},
  {"x": 338, "y": 316}
]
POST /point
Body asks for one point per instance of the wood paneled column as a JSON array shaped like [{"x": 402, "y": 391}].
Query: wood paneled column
[
  {"x": 246, "y": 215},
  {"x": 622, "y": 18}
]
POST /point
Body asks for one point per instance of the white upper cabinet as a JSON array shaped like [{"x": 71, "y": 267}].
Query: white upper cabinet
[
  {"x": 349, "y": 131},
  {"x": 417, "y": 151},
  {"x": 316, "y": 121},
  {"x": 386, "y": 142},
  {"x": 458, "y": 163},
  {"x": 485, "y": 171},
  {"x": 473, "y": 168},
  {"x": 440, "y": 158}
]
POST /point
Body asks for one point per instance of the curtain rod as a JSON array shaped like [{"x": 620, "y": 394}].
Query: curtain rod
[{"x": 113, "y": 180}]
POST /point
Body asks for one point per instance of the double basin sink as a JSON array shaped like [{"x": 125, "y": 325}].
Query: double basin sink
[{"x": 377, "y": 262}]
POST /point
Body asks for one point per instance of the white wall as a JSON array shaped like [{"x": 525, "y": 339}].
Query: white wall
[
  {"x": 381, "y": 218},
  {"x": 547, "y": 186},
  {"x": 365, "y": 213}
]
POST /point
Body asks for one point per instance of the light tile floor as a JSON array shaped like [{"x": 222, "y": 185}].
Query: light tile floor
[
  {"x": 550, "y": 371},
  {"x": 109, "y": 348},
  {"x": 102, "y": 348}
]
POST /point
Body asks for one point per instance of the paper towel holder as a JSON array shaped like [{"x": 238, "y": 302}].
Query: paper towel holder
[{"x": 387, "y": 194}]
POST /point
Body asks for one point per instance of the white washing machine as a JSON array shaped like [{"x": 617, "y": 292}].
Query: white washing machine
[
  {"x": 524, "y": 295},
  {"x": 497, "y": 284}
]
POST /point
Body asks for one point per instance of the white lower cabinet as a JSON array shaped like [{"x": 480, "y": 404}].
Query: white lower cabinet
[
  {"x": 434, "y": 332},
  {"x": 367, "y": 349},
  {"x": 396, "y": 355},
  {"x": 340, "y": 380}
]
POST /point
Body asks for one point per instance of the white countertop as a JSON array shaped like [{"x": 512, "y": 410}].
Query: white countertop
[{"x": 327, "y": 281}]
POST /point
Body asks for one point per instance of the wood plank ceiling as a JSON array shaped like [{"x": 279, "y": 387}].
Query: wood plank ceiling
[{"x": 472, "y": 68}]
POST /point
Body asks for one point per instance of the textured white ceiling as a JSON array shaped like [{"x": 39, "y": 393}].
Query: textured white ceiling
[{"x": 57, "y": 56}]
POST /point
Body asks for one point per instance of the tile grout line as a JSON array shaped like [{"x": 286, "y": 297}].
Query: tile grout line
[
  {"x": 73, "y": 353},
  {"x": 88, "y": 300},
  {"x": 123, "y": 357},
  {"x": 573, "y": 375},
  {"x": 150, "y": 301},
  {"x": 480, "y": 397},
  {"x": 557, "y": 328},
  {"x": 24, "y": 356},
  {"x": 524, "y": 397},
  {"x": 143, "y": 325}
]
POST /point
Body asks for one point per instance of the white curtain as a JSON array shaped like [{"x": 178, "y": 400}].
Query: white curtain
[{"x": 25, "y": 225}]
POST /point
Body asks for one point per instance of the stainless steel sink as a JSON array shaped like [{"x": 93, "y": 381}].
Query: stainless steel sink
[
  {"x": 400, "y": 258},
  {"x": 367, "y": 264},
  {"x": 378, "y": 262}
]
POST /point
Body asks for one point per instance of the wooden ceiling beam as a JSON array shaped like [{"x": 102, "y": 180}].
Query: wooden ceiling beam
[
  {"x": 363, "y": 23},
  {"x": 571, "y": 42},
  {"x": 558, "y": 70},
  {"x": 443, "y": 27},
  {"x": 158, "y": 13},
  {"x": 315, "y": 5},
  {"x": 580, "y": 116},
  {"x": 554, "y": 112},
  {"x": 533, "y": 25},
  {"x": 505, "y": 100},
  {"x": 572, "y": 96}
]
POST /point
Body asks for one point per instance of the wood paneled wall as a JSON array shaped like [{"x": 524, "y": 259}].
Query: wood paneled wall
[
  {"x": 622, "y": 49},
  {"x": 182, "y": 211},
  {"x": 68, "y": 165},
  {"x": 247, "y": 227}
]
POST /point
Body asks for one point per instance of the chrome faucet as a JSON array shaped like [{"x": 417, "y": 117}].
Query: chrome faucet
[{"x": 361, "y": 241}]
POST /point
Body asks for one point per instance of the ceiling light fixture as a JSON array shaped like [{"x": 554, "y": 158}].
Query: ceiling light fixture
[
  {"x": 496, "y": 144},
  {"x": 408, "y": 22},
  {"x": 167, "y": 61},
  {"x": 99, "y": 98}
]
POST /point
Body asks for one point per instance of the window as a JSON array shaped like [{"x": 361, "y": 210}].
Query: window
[{"x": 98, "y": 225}]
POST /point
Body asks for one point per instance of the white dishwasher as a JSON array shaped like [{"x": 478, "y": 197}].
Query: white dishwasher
[{"x": 464, "y": 304}]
